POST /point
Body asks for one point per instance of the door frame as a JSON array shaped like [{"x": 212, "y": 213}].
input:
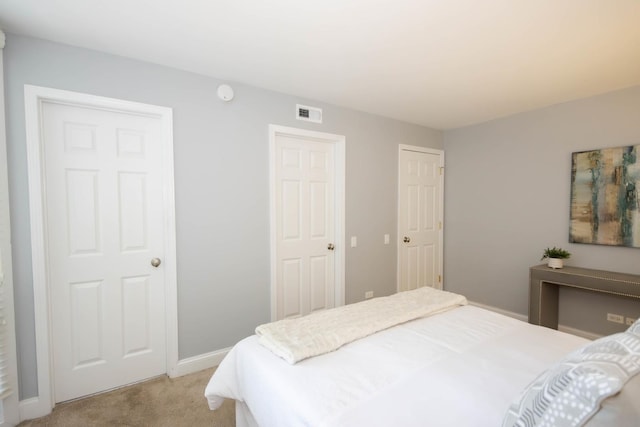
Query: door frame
[
  {"x": 404, "y": 147},
  {"x": 35, "y": 96},
  {"x": 339, "y": 143}
]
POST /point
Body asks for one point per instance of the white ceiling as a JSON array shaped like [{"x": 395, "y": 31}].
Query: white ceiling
[{"x": 438, "y": 63}]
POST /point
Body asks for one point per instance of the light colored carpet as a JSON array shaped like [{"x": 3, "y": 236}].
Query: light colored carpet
[{"x": 160, "y": 402}]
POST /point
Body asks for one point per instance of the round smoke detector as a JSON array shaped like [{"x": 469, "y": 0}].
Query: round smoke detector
[{"x": 225, "y": 92}]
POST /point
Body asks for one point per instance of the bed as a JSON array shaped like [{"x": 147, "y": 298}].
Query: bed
[{"x": 458, "y": 365}]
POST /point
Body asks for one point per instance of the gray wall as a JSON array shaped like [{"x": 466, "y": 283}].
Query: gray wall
[
  {"x": 221, "y": 181},
  {"x": 507, "y": 198}
]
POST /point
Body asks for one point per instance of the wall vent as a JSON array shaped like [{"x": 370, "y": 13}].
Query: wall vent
[{"x": 308, "y": 114}]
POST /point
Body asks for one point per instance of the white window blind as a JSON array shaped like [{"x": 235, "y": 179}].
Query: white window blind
[
  {"x": 9, "y": 411},
  {"x": 5, "y": 390}
]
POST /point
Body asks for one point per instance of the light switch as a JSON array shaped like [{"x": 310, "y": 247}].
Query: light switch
[
  {"x": 386, "y": 239},
  {"x": 354, "y": 241}
]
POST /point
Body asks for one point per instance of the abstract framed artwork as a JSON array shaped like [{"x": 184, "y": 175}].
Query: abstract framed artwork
[{"x": 604, "y": 197}]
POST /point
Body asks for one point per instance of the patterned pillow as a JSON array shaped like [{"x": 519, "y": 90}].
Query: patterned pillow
[
  {"x": 635, "y": 328},
  {"x": 569, "y": 393}
]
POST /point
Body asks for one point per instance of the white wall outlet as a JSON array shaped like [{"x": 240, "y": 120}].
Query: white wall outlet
[
  {"x": 354, "y": 241},
  {"x": 368, "y": 294},
  {"x": 630, "y": 321},
  {"x": 616, "y": 318},
  {"x": 386, "y": 239}
]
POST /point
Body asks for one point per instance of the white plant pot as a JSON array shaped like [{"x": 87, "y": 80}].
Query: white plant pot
[{"x": 555, "y": 263}]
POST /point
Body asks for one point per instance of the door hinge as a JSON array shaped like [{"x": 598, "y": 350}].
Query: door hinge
[
  {"x": 441, "y": 170},
  {"x": 439, "y": 225},
  {"x": 439, "y": 278}
]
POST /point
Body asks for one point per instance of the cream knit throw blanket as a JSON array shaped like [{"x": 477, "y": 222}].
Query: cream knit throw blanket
[{"x": 296, "y": 339}]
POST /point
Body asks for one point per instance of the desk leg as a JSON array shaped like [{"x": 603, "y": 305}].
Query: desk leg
[{"x": 543, "y": 303}]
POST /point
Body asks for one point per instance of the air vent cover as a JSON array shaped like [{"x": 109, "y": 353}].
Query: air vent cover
[{"x": 308, "y": 114}]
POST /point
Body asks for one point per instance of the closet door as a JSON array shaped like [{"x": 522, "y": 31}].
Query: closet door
[
  {"x": 306, "y": 241},
  {"x": 420, "y": 218}
]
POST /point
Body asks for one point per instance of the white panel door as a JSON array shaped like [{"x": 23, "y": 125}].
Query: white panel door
[
  {"x": 419, "y": 219},
  {"x": 104, "y": 223},
  {"x": 305, "y": 225}
]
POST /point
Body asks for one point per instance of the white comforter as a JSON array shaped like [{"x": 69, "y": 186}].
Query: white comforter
[
  {"x": 324, "y": 331},
  {"x": 459, "y": 368}
]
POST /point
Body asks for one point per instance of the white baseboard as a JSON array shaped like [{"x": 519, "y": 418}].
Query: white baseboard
[
  {"x": 198, "y": 363},
  {"x": 562, "y": 328},
  {"x": 507, "y": 313},
  {"x": 32, "y": 408}
]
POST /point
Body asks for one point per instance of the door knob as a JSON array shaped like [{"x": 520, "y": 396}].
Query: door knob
[
  {"x": 155, "y": 262},
  {"x": 406, "y": 239},
  {"x": 331, "y": 247}
]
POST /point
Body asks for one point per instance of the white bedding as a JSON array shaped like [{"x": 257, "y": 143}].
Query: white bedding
[
  {"x": 462, "y": 367},
  {"x": 299, "y": 338}
]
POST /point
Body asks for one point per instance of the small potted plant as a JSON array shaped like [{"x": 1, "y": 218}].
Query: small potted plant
[{"x": 555, "y": 256}]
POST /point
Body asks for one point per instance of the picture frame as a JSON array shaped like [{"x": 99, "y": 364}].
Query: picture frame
[{"x": 605, "y": 207}]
